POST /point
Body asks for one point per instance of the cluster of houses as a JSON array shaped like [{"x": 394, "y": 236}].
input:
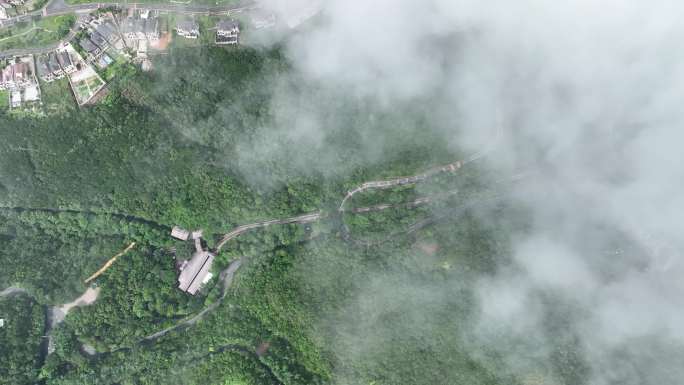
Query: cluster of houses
[
  {"x": 100, "y": 34},
  {"x": 8, "y": 7},
  {"x": 104, "y": 37},
  {"x": 18, "y": 77},
  {"x": 143, "y": 26},
  {"x": 196, "y": 271},
  {"x": 55, "y": 65},
  {"x": 227, "y": 31},
  {"x": 66, "y": 61}
]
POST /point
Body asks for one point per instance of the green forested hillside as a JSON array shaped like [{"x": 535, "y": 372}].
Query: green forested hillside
[
  {"x": 20, "y": 339},
  {"x": 213, "y": 139}
]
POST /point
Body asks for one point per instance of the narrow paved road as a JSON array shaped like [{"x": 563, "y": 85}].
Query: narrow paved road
[
  {"x": 414, "y": 203},
  {"x": 13, "y": 290},
  {"x": 306, "y": 218},
  {"x": 383, "y": 184},
  {"x": 60, "y": 7}
]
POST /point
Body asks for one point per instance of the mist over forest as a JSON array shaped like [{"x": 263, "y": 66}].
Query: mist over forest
[{"x": 550, "y": 256}]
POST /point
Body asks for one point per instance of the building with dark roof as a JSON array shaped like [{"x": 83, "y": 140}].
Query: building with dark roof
[
  {"x": 108, "y": 31},
  {"x": 98, "y": 40},
  {"x": 44, "y": 70},
  {"x": 53, "y": 64},
  {"x": 88, "y": 46},
  {"x": 65, "y": 62}
]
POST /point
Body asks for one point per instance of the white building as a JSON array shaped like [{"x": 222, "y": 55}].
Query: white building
[{"x": 189, "y": 29}]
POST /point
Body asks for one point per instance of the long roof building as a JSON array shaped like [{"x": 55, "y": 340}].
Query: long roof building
[{"x": 195, "y": 271}]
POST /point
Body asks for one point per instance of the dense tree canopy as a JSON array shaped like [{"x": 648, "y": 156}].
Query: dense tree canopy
[{"x": 216, "y": 138}]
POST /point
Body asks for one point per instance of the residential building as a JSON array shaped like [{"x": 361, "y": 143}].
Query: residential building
[
  {"x": 3, "y": 14},
  {"x": 227, "y": 32},
  {"x": 44, "y": 70},
  {"x": 91, "y": 48},
  {"x": 98, "y": 40},
  {"x": 151, "y": 28},
  {"x": 16, "y": 75},
  {"x": 189, "y": 29},
  {"x": 141, "y": 29},
  {"x": 54, "y": 66},
  {"x": 65, "y": 62},
  {"x": 16, "y": 2},
  {"x": 133, "y": 29},
  {"x": 19, "y": 78},
  {"x": 108, "y": 31}
]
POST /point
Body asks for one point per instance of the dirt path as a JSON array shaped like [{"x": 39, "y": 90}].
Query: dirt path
[
  {"x": 60, "y": 312},
  {"x": 22, "y": 34},
  {"x": 109, "y": 263}
]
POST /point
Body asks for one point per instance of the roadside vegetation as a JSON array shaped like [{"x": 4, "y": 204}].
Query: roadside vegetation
[{"x": 40, "y": 32}]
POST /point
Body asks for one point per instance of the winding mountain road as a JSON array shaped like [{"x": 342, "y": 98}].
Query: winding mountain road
[
  {"x": 402, "y": 181},
  {"x": 305, "y": 218}
]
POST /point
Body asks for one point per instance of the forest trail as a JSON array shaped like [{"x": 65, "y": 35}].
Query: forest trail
[{"x": 109, "y": 263}]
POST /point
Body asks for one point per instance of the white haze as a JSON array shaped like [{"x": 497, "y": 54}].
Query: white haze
[{"x": 589, "y": 96}]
